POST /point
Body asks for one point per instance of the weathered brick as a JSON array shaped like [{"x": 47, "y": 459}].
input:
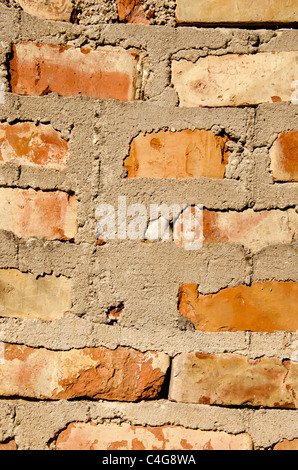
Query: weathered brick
[
  {"x": 111, "y": 436},
  {"x": 122, "y": 374},
  {"x": 252, "y": 229},
  {"x": 235, "y": 80},
  {"x": 131, "y": 11},
  {"x": 23, "y": 296},
  {"x": 104, "y": 73},
  {"x": 60, "y": 10},
  {"x": 232, "y": 379},
  {"x": 27, "y": 144},
  {"x": 284, "y": 157},
  {"x": 10, "y": 445},
  {"x": 183, "y": 154},
  {"x": 263, "y": 306},
  {"x": 29, "y": 213},
  {"x": 287, "y": 445},
  {"x": 236, "y": 11}
]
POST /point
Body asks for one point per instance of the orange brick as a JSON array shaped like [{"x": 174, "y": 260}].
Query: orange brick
[
  {"x": 104, "y": 73},
  {"x": 284, "y": 157},
  {"x": 10, "y": 445},
  {"x": 122, "y": 374},
  {"x": 263, "y": 306},
  {"x": 111, "y": 436},
  {"x": 131, "y": 11},
  {"x": 183, "y": 154},
  {"x": 287, "y": 445},
  {"x": 232, "y": 379},
  {"x": 27, "y": 144},
  {"x": 60, "y": 10},
  {"x": 29, "y": 213}
]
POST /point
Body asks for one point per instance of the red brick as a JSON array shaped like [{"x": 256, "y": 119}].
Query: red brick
[
  {"x": 104, "y": 73},
  {"x": 60, "y": 10},
  {"x": 284, "y": 157},
  {"x": 27, "y": 144},
  {"x": 111, "y": 436},
  {"x": 131, "y": 11},
  {"x": 263, "y": 306},
  {"x": 29, "y": 213},
  {"x": 183, "y": 154},
  {"x": 232, "y": 379},
  {"x": 122, "y": 374}
]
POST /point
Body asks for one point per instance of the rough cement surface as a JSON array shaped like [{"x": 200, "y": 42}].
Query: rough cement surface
[{"x": 144, "y": 278}]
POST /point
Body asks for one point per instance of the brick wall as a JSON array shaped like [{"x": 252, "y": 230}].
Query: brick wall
[{"x": 148, "y": 341}]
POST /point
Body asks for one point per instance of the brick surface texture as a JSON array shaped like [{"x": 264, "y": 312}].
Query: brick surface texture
[
  {"x": 39, "y": 69},
  {"x": 89, "y": 436},
  {"x": 28, "y": 144},
  {"x": 236, "y": 11},
  {"x": 148, "y": 225}
]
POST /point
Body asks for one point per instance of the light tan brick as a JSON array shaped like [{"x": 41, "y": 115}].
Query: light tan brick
[
  {"x": 253, "y": 229},
  {"x": 60, "y": 10},
  {"x": 236, "y": 11},
  {"x": 232, "y": 379},
  {"x": 23, "y": 296},
  {"x": 235, "y": 80}
]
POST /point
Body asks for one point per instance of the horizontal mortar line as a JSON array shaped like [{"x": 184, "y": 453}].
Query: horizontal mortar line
[
  {"x": 245, "y": 351},
  {"x": 164, "y": 402}
]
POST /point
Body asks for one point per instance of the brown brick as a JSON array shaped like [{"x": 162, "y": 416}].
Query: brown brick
[
  {"x": 236, "y": 11},
  {"x": 235, "y": 79},
  {"x": 263, "y": 306},
  {"x": 105, "y": 73},
  {"x": 232, "y": 379},
  {"x": 27, "y": 144},
  {"x": 122, "y": 374},
  {"x": 111, "y": 436},
  {"x": 60, "y": 10},
  {"x": 183, "y": 154},
  {"x": 29, "y": 213},
  {"x": 284, "y": 157},
  {"x": 23, "y": 296}
]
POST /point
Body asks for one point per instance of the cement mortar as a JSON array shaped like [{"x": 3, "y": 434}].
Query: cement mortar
[{"x": 145, "y": 278}]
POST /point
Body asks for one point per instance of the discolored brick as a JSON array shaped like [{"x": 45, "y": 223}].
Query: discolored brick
[{"x": 111, "y": 436}]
